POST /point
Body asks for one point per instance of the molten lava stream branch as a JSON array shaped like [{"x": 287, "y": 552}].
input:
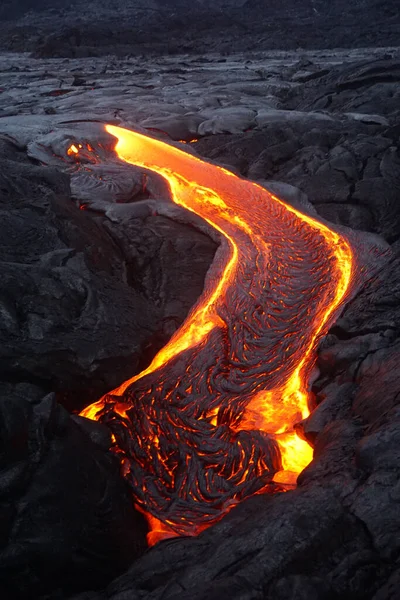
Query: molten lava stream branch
[{"x": 210, "y": 421}]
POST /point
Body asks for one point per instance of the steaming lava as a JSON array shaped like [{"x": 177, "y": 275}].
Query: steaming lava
[{"x": 210, "y": 421}]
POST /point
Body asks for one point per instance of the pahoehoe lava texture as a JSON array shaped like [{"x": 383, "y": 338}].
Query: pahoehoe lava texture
[
  {"x": 187, "y": 448},
  {"x": 191, "y": 468}
]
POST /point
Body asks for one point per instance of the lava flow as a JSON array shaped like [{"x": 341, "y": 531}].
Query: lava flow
[{"x": 210, "y": 421}]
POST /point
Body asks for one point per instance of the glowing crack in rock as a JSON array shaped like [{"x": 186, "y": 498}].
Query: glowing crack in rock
[{"x": 210, "y": 421}]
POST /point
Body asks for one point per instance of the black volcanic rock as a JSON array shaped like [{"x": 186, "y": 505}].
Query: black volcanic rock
[
  {"x": 340, "y": 166},
  {"x": 67, "y": 521},
  {"x": 368, "y": 88},
  {"x": 86, "y": 303}
]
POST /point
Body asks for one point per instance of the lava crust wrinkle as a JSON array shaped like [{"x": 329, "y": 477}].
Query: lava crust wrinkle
[{"x": 210, "y": 421}]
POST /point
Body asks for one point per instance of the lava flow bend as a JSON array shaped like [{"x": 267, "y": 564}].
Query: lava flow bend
[{"x": 210, "y": 421}]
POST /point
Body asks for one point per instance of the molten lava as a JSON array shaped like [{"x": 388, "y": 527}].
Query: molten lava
[{"x": 210, "y": 421}]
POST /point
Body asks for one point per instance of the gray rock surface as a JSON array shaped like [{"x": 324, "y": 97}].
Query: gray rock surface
[
  {"x": 94, "y": 276},
  {"x": 65, "y": 510}
]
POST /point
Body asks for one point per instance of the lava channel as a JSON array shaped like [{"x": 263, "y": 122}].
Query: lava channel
[{"x": 211, "y": 420}]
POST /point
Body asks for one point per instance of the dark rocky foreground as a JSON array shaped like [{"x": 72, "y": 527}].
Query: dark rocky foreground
[
  {"x": 96, "y": 274},
  {"x": 78, "y": 28}
]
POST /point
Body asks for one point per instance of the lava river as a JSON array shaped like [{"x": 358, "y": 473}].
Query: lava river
[{"x": 210, "y": 421}]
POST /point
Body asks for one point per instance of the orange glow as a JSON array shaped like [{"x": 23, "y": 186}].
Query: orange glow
[
  {"x": 72, "y": 150},
  {"x": 189, "y": 142},
  {"x": 263, "y": 231}
]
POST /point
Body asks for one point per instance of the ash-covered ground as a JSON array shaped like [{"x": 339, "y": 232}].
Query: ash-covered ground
[{"x": 93, "y": 284}]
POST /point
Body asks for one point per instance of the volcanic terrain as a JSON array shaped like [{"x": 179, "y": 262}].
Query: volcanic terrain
[{"x": 100, "y": 267}]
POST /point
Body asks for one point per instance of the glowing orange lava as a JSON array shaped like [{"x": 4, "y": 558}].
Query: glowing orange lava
[
  {"x": 271, "y": 315},
  {"x": 72, "y": 150}
]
